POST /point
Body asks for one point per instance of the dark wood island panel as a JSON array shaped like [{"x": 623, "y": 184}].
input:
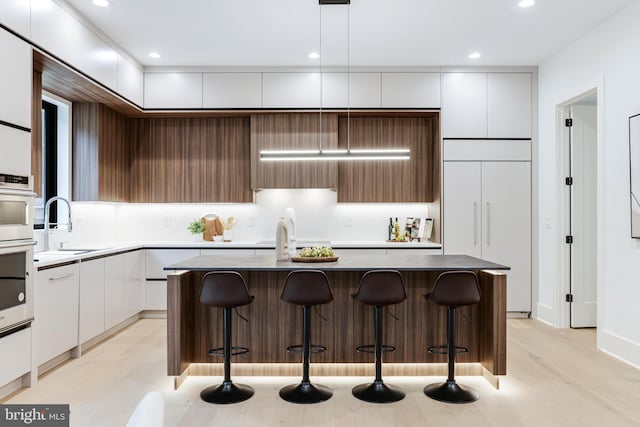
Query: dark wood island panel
[{"x": 273, "y": 325}]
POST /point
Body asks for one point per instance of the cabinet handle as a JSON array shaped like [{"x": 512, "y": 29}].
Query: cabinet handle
[
  {"x": 475, "y": 223},
  {"x": 64, "y": 276},
  {"x": 488, "y": 223}
]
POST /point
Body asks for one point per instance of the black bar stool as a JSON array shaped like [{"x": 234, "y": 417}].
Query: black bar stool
[
  {"x": 226, "y": 290},
  {"x": 453, "y": 289},
  {"x": 306, "y": 288},
  {"x": 379, "y": 288}
]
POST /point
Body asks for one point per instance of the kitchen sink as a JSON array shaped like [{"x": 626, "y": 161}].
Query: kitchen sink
[
  {"x": 69, "y": 251},
  {"x": 65, "y": 252}
]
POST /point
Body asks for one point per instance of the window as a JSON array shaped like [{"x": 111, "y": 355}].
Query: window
[{"x": 55, "y": 157}]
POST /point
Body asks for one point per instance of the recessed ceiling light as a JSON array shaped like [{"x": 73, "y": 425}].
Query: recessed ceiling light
[
  {"x": 314, "y": 55},
  {"x": 526, "y": 3},
  {"x": 101, "y": 3},
  {"x": 154, "y": 55},
  {"x": 474, "y": 55}
]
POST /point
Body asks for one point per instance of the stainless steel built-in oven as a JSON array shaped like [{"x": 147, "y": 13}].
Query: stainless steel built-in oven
[
  {"x": 16, "y": 207},
  {"x": 16, "y": 251},
  {"x": 16, "y": 289}
]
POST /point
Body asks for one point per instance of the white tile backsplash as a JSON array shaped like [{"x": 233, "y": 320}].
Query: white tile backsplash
[{"x": 319, "y": 217}]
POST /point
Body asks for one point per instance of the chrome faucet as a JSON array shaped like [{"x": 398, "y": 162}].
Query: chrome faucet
[{"x": 47, "y": 225}]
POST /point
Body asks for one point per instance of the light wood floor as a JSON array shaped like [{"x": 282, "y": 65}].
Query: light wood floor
[{"x": 555, "y": 378}]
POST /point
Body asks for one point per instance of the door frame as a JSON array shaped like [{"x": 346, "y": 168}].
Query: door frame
[{"x": 563, "y": 313}]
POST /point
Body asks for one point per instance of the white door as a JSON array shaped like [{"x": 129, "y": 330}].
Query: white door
[
  {"x": 506, "y": 231},
  {"x": 583, "y": 215},
  {"x": 462, "y": 208}
]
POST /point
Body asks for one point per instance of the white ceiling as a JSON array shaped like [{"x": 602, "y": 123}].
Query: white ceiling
[{"x": 382, "y": 33}]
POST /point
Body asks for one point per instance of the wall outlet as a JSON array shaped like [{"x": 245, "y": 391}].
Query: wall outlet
[
  {"x": 166, "y": 221},
  {"x": 251, "y": 221},
  {"x": 348, "y": 222},
  {"x": 547, "y": 222}
]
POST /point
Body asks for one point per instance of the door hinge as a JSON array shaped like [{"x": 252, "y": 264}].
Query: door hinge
[
  {"x": 569, "y": 239},
  {"x": 568, "y": 180},
  {"x": 568, "y": 122},
  {"x": 569, "y": 297}
]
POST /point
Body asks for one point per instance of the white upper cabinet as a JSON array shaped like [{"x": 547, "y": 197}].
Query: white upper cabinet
[
  {"x": 486, "y": 105},
  {"x": 363, "y": 90},
  {"x": 64, "y": 36},
  {"x": 410, "y": 90},
  {"x": 15, "y": 146},
  {"x": 16, "y": 14},
  {"x": 232, "y": 90},
  {"x": 464, "y": 105},
  {"x": 130, "y": 81},
  {"x": 290, "y": 90},
  {"x": 173, "y": 90},
  {"x": 509, "y": 110},
  {"x": 15, "y": 80}
]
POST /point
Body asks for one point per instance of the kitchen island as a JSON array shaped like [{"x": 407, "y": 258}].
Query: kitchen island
[{"x": 273, "y": 325}]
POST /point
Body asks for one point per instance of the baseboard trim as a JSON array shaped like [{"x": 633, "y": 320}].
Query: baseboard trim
[
  {"x": 89, "y": 344},
  {"x": 153, "y": 314},
  {"x": 545, "y": 314},
  {"x": 621, "y": 348},
  {"x": 8, "y": 390}
]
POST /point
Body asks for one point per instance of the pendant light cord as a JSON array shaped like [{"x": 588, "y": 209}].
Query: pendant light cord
[
  {"x": 348, "y": 82},
  {"x": 321, "y": 88}
]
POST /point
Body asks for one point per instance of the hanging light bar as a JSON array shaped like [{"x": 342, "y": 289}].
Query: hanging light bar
[
  {"x": 326, "y": 155},
  {"x": 335, "y": 154}
]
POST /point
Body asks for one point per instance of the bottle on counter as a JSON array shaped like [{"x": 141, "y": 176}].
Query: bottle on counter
[
  {"x": 396, "y": 230},
  {"x": 390, "y": 230}
]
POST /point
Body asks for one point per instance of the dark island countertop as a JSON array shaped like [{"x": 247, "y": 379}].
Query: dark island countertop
[{"x": 354, "y": 262}]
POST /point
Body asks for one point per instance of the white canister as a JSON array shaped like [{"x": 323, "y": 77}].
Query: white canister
[{"x": 227, "y": 235}]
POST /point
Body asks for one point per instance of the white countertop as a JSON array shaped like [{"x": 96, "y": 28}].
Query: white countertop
[{"x": 45, "y": 259}]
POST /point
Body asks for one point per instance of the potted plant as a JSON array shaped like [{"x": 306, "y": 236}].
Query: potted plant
[{"x": 196, "y": 227}]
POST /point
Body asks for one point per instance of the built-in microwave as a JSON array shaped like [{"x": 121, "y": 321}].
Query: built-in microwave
[
  {"x": 16, "y": 207},
  {"x": 16, "y": 290}
]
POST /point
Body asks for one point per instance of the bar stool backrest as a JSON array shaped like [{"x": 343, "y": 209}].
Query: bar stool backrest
[
  {"x": 307, "y": 288},
  {"x": 456, "y": 289},
  {"x": 224, "y": 289},
  {"x": 381, "y": 287}
]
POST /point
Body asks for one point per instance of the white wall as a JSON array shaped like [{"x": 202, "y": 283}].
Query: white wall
[
  {"x": 319, "y": 217},
  {"x": 605, "y": 58}
]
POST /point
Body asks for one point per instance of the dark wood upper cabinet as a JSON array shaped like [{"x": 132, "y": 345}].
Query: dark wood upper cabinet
[
  {"x": 293, "y": 131},
  {"x": 401, "y": 181},
  {"x": 101, "y": 154},
  {"x": 191, "y": 160}
]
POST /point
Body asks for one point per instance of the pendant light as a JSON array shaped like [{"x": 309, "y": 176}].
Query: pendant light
[{"x": 335, "y": 154}]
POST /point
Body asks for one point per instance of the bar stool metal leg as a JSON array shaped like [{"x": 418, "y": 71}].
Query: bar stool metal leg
[
  {"x": 227, "y": 392},
  {"x": 378, "y": 391},
  {"x": 450, "y": 391},
  {"x": 305, "y": 392}
]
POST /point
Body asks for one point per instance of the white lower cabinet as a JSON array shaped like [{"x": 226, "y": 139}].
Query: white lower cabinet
[
  {"x": 16, "y": 355},
  {"x": 92, "y": 292},
  {"x": 155, "y": 295},
  {"x": 124, "y": 287},
  {"x": 134, "y": 292},
  {"x": 156, "y": 284},
  {"x": 56, "y": 311},
  {"x": 487, "y": 214}
]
